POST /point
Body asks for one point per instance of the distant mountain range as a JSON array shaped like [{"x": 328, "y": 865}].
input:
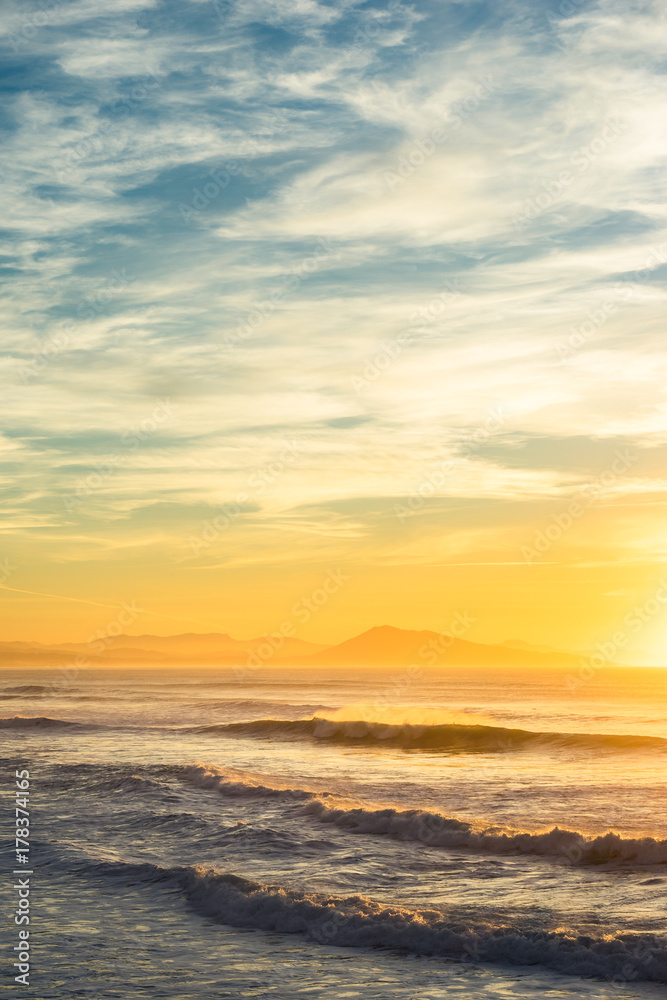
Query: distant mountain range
[
  {"x": 395, "y": 647},
  {"x": 383, "y": 645},
  {"x": 190, "y": 647}
]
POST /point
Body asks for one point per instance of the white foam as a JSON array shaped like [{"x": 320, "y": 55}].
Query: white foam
[
  {"x": 356, "y": 921},
  {"x": 434, "y": 828}
]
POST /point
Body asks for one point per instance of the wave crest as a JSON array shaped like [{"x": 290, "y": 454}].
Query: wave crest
[
  {"x": 434, "y": 828},
  {"x": 448, "y": 737},
  {"x": 356, "y": 921},
  {"x": 36, "y": 722},
  {"x": 359, "y": 922},
  {"x": 437, "y": 830},
  {"x": 229, "y": 782},
  {"x": 21, "y": 690}
]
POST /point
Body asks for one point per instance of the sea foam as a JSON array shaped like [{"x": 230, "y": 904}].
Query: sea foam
[
  {"x": 434, "y": 828},
  {"x": 360, "y": 922}
]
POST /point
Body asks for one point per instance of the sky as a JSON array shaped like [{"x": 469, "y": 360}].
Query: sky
[{"x": 299, "y": 291}]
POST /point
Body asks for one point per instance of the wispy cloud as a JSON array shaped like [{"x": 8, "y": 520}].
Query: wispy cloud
[{"x": 526, "y": 150}]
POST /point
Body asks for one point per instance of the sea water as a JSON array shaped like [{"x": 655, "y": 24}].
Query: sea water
[{"x": 342, "y": 832}]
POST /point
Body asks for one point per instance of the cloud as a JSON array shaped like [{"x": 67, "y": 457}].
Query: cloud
[{"x": 484, "y": 182}]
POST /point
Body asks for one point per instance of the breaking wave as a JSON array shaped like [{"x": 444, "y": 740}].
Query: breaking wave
[
  {"x": 433, "y": 828},
  {"x": 436, "y": 830},
  {"x": 359, "y": 922},
  {"x": 456, "y": 736},
  {"x": 233, "y": 783}
]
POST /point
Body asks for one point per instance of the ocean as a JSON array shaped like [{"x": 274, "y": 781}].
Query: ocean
[{"x": 337, "y": 832}]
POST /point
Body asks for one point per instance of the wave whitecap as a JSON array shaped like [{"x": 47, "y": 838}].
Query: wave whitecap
[
  {"x": 437, "y": 830},
  {"x": 359, "y": 922},
  {"x": 233, "y": 783},
  {"x": 434, "y": 828},
  {"x": 448, "y": 737}
]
